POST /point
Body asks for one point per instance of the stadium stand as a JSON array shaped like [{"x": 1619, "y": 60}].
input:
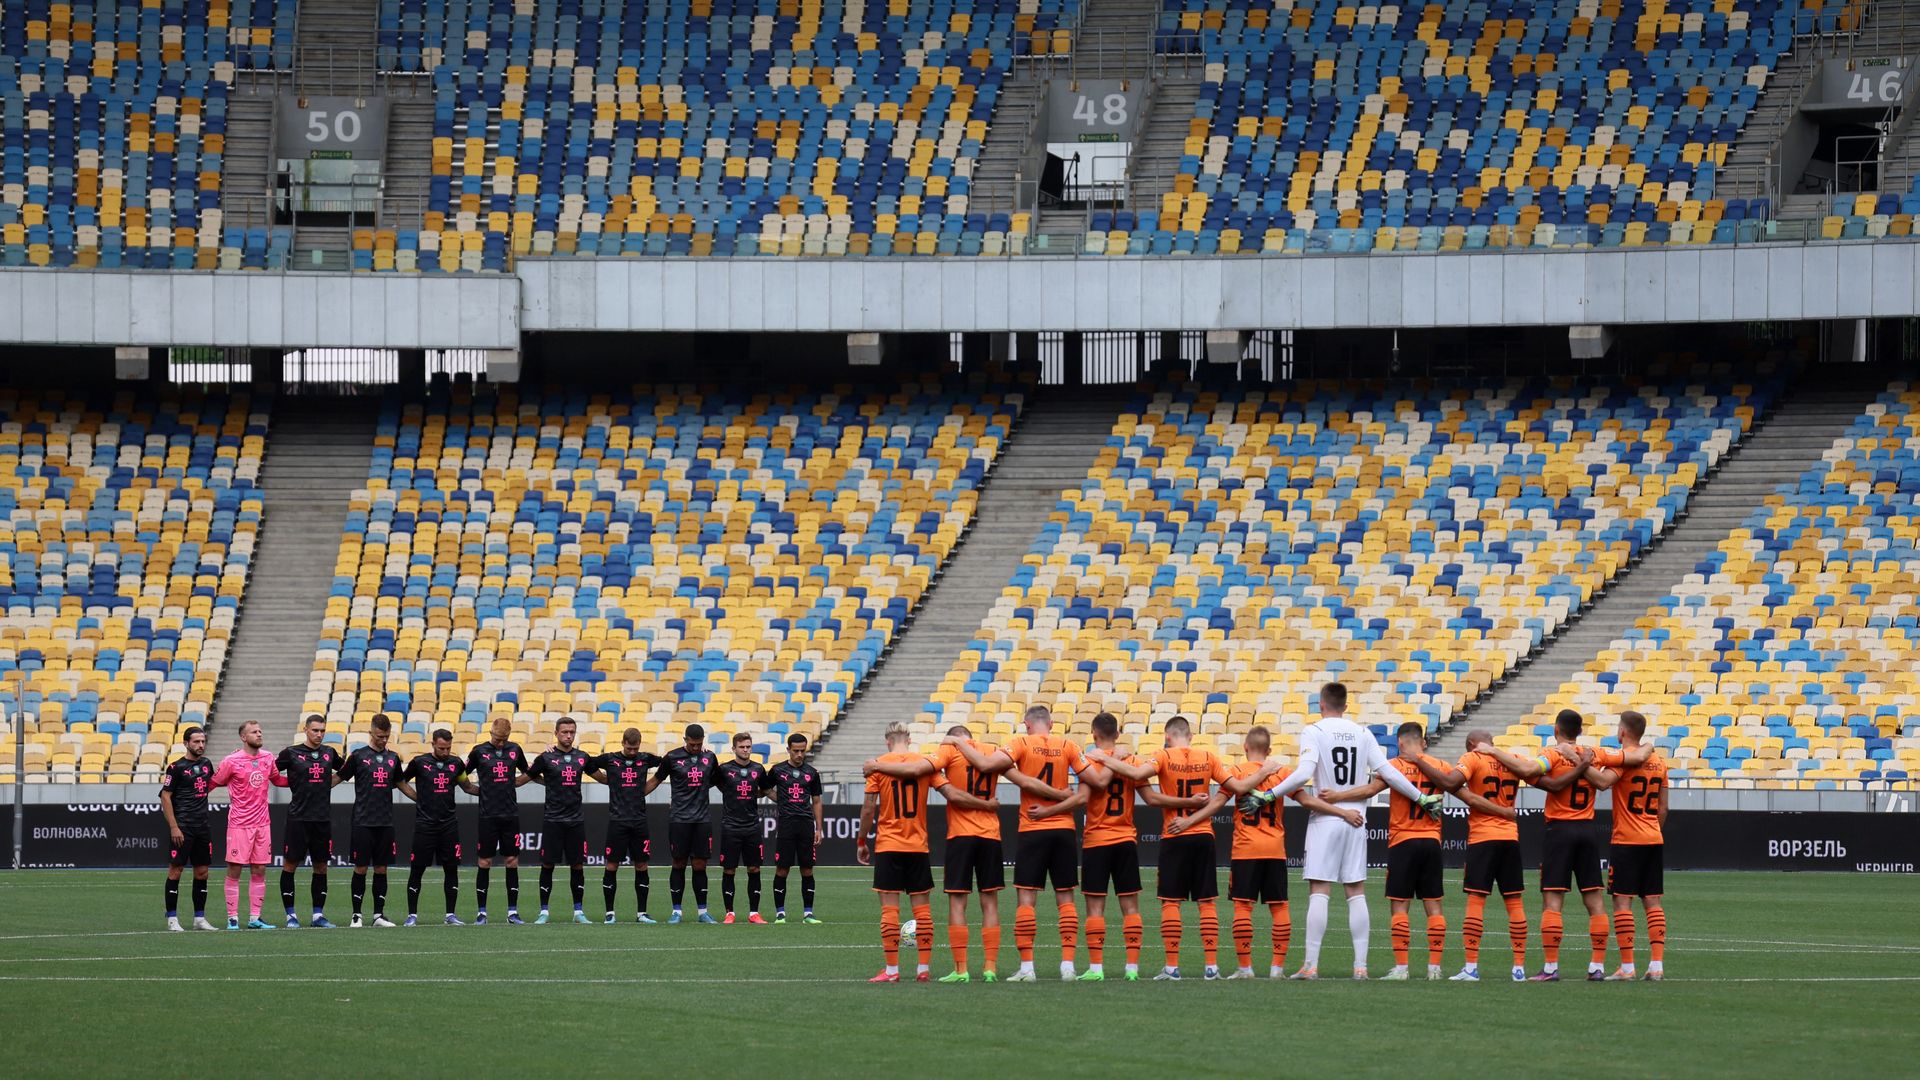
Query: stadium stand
[
  {"x": 1228, "y": 554},
  {"x": 1462, "y": 125},
  {"x": 113, "y": 119},
  {"x": 129, "y": 534},
  {"x": 695, "y": 127},
  {"x": 643, "y": 560},
  {"x": 1785, "y": 659}
]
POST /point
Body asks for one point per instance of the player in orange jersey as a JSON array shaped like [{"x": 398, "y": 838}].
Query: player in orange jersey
[
  {"x": 1110, "y": 849},
  {"x": 1571, "y": 850},
  {"x": 1493, "y": 853},
  {"x": 1637, "y": 776},
  {"x": 973, "y": 849},
  {"x": 1257, "y": 872},
  {"x": 1049, "y": 851},
  {"x": 897, "y": 805},
  {"x": 1414, "y": 867},
  {"x": 1187, "y": 862}
]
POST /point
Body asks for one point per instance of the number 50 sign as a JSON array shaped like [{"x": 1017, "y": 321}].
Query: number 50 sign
[{"x": 357, "y": 126}]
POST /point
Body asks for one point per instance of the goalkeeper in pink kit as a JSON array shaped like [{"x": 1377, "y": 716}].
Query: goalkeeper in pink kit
[{"x": 248, "y": 774}]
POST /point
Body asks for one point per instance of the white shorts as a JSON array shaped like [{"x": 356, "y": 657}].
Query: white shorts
[{"x": 1336, "y": 851}]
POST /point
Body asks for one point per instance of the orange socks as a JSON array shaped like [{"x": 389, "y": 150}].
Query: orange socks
[
  {"x": 1597, "y": 937},
  {"x": 1243, "y": 932},
  {"x": 990, "y": 948},
  {"x": 1210, "y": 932},
  {"x": 1402, "y": 938},
  {"x": 1135, "y": 928},
  {"x": 1170, "y": 931},
  {"x": 1436, "y": 938},
  {"x": 1517, "y": 929},
  {"x": 1551, "y": 927},
  {"x": 1096, "y": 938},
  {"x": 1069, "y": 931},
  {"x": 1025, "y": 927},
  {"x": 1657, "y": 934},
  {"x": 923, "y": 913},
  {"x": 957, "y": 942},
  {"x": 1623, "y": 934},
  {"x": 1282, "y": 932},
  {"x": 1475, "y": 925},
  {"x": 890, "y": 935}
]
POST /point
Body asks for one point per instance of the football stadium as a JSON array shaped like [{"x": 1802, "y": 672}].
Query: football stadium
[{"x": 1092, "y": 494}]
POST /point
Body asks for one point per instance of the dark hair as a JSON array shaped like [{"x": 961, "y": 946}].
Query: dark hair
[
  {"x": 565, "y": 721},
  {"x": 1634, "y": 723},
  {"x": 632, "y": 735},
  {"x": 960, "y": 731},
  {"x": 313, "y": 718},
  {"x": 381, "y": 723},
  {"x": 738, "y": 735},
  {"x": 1412, "y": 727},
  {"x": 1106, "y": 725},
  {"x": 1259, "y": 738},
  {"x": 1179, "y": 726},
  {"x": 695, "y": 731},
  {"x": 1567, "y": 723},
  {"x": 188, "y": 734},
  {"x": 1334, "y": 695},
  {"x": 442, "y": 733},
  {"x": 796, "y": 737}
]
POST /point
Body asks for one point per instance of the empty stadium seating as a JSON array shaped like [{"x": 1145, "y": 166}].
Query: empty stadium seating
[
  {"x": 1787, "y": 658},
  {"x": 1461, "y": 125},
  {"x": 113, "y": 120},
  {"x": 648, "y": 560},
  {"x": 702, "y": 127},
  {"x": 129, "y": 530},
  {"x": 1227, "y": 555}
]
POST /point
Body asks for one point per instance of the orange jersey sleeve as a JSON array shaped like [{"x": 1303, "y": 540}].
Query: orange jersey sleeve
[
  {"x": 903, "y": 808},
  {"x": 955, "y": 770},
  {"x": 1261, "y": 834},
  {"x": 1184, "y": 773},
  {"x": 1571, "y": 803},
  {"x": 1049, "y": 759},
  {"x": 1490, "y": 780},
  {"x": 1110, "y": 811},
  {"x": 1637, "y": 798},
  {"x": 1403, "y": 821}
]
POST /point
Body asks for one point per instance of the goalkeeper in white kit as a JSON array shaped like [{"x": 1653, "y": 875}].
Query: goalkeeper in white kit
[{"x": 1337, "y": 753}]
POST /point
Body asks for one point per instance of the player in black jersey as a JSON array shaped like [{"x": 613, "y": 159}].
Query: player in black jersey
[
  {"x": 376, "y": 775},
  {"x": 436, "y": 835},
  {"x": 563, "y": 833},
  {"x": 630, "y": 779},
  {"x": 801, "y": 824},
  {"x": 497, "y": 767},
  {"x": 692, "y": 769},
  {"x": 312, "y": 768},
  {"x": 183, "y": 802},
  {"x": 740, "y": 782}
]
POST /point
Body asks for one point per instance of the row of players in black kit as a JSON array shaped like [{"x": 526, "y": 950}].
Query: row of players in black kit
[{"x": 492, "y": 772}]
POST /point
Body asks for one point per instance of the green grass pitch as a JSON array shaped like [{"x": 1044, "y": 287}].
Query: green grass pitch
[{"x": 1767, "y": 974}]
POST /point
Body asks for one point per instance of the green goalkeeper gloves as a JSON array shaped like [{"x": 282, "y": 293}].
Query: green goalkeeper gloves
[{"x": 1430, "y": 805}]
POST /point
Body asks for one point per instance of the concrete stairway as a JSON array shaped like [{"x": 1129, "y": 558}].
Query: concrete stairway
[
  {"x": 1114, "y": 39},
  {"x": 245, "y": 182},
  {"x": 1022, "y": 96},
  {"x": 1051, "y": 450},
  {"x": 408, "y": 170},
  {"x": 318, "y": 449},
  {"x": 1157, "y": 158},
  {"x": 1745, "y": 175},
  {"x": 1791, "y": 439}
]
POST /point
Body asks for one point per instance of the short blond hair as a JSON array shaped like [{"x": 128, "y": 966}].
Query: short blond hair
[{"x": 898, "y": 730}]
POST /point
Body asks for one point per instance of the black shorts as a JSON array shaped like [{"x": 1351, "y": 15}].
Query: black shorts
[
  {"x": 1260, "y": 880},
  {"x": 1572, "y": 850},
  {"x": 1414, "y": 870},
  {"x": 1111, "y": 868},
  {"x": 436, "y": 845},
  {"x": 975, "y": 863},
  {"x": 1044, "y": 854},
  {"x": 373, "y": 845},
  {"x": 902, "y": 871},
  {"x": 194, "y": 849},
  {"x": 627, "y": 841},
  {"x": 307, "y": 841},
  {"x": 563, "y": 842},
  {"x": 1188, "y": 870},
  {"x": 690, "y": 839},
  {"x": 793, "y": 845},
  {"x": 500, "y": 834},
  {"x": 741, "y": 847},
  {"x": 1638, "y": 870},
  {"x": 1492, "y": 863}
]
